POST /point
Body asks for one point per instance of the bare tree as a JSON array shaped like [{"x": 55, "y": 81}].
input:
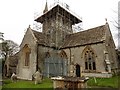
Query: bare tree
[{"x": 9, "y": 48}]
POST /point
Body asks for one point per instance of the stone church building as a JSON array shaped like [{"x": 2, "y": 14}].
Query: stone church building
[{"x": 57, "y": 51}]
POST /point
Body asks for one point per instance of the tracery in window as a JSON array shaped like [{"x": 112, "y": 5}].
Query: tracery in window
[
  {"x": 89, "y": 58},
  {"x": 26, "y": 53},
  {"x": 47, "y": 54},
  {"x": 63, "y": 54}
]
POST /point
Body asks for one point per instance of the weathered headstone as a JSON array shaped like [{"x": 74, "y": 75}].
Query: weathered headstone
[
  {"x": 37, "y": 77},
  {"x": 14, "y": 77}
]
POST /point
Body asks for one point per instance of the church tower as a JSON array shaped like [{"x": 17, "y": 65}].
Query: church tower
[{"x": 57, "y": 23}]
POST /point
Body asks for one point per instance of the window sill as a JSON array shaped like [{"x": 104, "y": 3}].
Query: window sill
[
  {"x": 89, "y": 71},
  {"x": 25, "y": 66}
]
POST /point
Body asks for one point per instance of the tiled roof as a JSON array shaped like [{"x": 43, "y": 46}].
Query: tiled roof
[
  {"x": 57, "y": 9},
  {"x": 42, "y": 38},
  {"x": 89, "y": 36}
]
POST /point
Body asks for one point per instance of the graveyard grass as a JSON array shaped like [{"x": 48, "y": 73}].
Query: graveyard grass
[
  {"x": 105, "y": 82},
  {"x": 48, "y": 83}
]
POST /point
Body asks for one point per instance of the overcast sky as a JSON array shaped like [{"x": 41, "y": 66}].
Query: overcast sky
[{"x": 17, "y": 15}]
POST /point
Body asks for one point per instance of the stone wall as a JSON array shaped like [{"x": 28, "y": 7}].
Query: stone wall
[
  {"x": 101, "y": 75},
  {"x": 26, "y": 72},
  {"x": 75, "y": 56},
  {"x": 110, "y": 48},
  {"x": 42, "y": 51}
]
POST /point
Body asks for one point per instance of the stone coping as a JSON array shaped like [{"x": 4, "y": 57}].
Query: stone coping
[{"x": 72, "y": 79}]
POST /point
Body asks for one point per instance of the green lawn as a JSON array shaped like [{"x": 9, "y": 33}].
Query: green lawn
[
  {"x": 104, "y": 82},
  {"x": 46, "y": 83}
]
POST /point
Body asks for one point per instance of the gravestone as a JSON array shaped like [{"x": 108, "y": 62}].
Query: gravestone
[
  {"x": 37, "y": 77},
  {"x": 14, "y": 77}
]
